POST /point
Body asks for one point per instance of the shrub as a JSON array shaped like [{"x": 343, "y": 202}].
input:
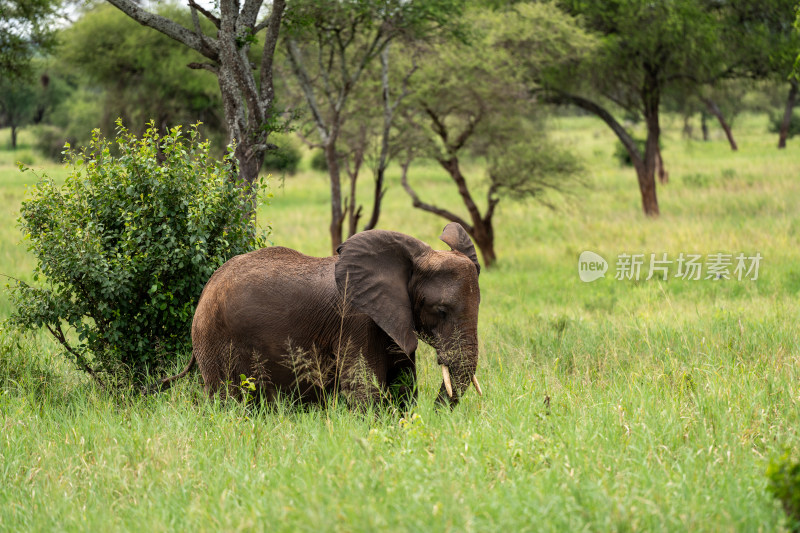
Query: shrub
[
  {"x": 783, "y": 474},
  {"x": 126, "y": 245},
  {"x": 318, "y": 161},
  {"x": 775, "y": 121},
  {"x": 621, "y": 153},
  {"x": 50, "y": 141},
  {"x": 623, "y": 157},
  {"x": 284, "y": 159}
]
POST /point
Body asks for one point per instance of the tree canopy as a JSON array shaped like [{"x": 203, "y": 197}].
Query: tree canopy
[{"x": 24, "y": 30}]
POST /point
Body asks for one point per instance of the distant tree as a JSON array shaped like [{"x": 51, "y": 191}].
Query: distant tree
[
  {"x": 18, "y": 101},
  {"x": 331, "y": 47},
  {"x": 248, "y": 95},
  {"x": 721, "y": 100},
  {"x": 468, "y": 102},
  {"x": 24, "y": 30},
  {"x": 777, "y": 47},
  {"x": 645, "y": 47}
]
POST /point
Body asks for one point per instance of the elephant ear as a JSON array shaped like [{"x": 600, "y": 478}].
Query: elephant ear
[
  {"x": 456, "y": 237},
  {"x": 373, "y": 272}
]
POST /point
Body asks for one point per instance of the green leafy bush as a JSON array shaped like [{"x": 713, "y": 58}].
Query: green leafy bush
[
  {"x": 784, "y": 484},
  {"x": 775, "y": 121},
  {"x": 285, "y": 158},
  {"x": 621, "y": 153},
  {"x": 318, "y": 161},
  {"x": 126, "y": 245},
  {"x": 50, "y": 141}
]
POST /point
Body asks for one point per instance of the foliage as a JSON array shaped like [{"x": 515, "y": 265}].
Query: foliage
[
  {"x": 468, "y": 99},
  {"x": 29, "y": 99},
  {"x": 17, "y": 104},
  {"x": 783, "y": 474},
  {"x": 135, "y": 73},
  {"x": 50, "y": 141},
  {"x": 125, "y": 246},
  {"x": 318, "y": 161},
  {"x": 331, "y": 48},
  {"x": 24, "y": 31},
  {"x": 285, "y": 158},
  {"x": 776, "y": 119},
  {"x": 622, "y": 155}
]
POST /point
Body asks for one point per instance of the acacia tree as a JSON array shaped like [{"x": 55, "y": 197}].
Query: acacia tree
[
  {"x": 645, "y": 47},
  {"x": 467, "y": 101},
  {"x": 248, "y": 95},
  {"x": 331, "y": 47}
]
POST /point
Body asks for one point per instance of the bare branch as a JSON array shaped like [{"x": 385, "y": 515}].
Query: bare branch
[
  {"x": 58, "y": 333},
  {"x": 492, "y": 201},
  {"x": 206, "y": 13},
  {"x": 437, "y": 124},
  {"x": 430, "y": 208},
  {"x": 296, "y": 61},
  {"x": 558, "y": 97},
  {"x": 270, "y": 42},
  {"x": 168, "y": 27}
]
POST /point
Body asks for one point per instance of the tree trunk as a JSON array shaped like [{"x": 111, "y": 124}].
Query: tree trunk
[
  {"x": 645, "y": 175},
  {"x": 483, "y": 235},
  {"x": 663, "y": 175},
  {"x": 715, "y": 110},
  {"x": 704, "y": 124},
  {"x": 334, "y": 174},
  {"x": 250, "y": 162},
  {"x": 248, "y": 103},
  {"x": 787, "y": 114},
  {"x": 13, "y": 136},
  {"x": 651, "y": 99},
  {"x": 687, "y": 127}
]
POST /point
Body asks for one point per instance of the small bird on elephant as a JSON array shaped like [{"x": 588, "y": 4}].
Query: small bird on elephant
[{"x": 312, "y": 326}]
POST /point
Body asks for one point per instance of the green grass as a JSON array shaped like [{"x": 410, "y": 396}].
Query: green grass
[{"x": 665, "y": 400}]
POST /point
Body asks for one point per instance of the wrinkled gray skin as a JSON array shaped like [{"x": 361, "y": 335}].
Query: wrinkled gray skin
[{"x": 260, "y": 307}]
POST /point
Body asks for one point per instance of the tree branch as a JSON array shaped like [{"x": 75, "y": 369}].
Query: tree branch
[
  {"x": 430, "y": 208},
  {"x": 270, "y": 42},
  {"x": 492, "y": 200},
  {"x": 204, "y": 66},
  {"x": 207, "y": 14},
  {"x": 168, "y": 27},
  {"x": 58, "y": 333},
  {"x": 305, "y": 83},
  {"x": 559, "y": 97},
  {"x": 248, "y": 15}
]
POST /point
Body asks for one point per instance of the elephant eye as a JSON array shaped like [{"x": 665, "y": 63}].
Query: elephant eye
[{"x": 441, "y": 310}]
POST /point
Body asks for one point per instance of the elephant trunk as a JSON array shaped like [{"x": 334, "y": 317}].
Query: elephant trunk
[{"x": 458, "y": 373}]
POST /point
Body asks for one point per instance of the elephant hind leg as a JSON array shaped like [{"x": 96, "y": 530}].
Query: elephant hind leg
[{"x": 222, "y": 366}]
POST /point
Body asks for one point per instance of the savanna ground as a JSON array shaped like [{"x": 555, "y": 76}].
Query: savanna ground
[{"x": 666, "y": 399}]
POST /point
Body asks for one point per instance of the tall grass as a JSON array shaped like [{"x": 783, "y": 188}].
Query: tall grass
[{"x": 613, "y": 405}]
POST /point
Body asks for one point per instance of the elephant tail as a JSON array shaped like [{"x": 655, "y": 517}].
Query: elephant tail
[{"x": 166, "y": 383}]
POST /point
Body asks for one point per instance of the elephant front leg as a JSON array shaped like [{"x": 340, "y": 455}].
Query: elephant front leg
[{"x": 401, "y": 383}]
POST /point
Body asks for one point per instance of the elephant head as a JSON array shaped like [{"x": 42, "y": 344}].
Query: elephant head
[{"x": 410, "y": 290}]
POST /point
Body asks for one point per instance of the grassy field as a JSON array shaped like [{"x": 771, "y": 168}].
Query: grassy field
[{"x": 614, "y": 405}]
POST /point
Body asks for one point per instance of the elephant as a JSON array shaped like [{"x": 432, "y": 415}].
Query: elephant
[{"x": 309, "y": 326}]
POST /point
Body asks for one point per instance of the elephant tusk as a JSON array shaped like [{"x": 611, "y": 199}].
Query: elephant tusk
[
  {"x": 477, "y": 385},
  {"x": 446, "y": 377}
]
